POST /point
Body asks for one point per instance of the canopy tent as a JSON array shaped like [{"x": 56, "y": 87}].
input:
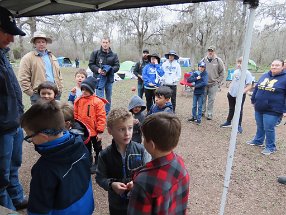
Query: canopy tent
[
  {"x": 24, "y": 8},
  {"x": 50, "y": 7},
  {"x": 126, "y": 70}
]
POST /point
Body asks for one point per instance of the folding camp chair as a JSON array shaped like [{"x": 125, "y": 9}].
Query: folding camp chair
[{"x": 187, "y": 86}]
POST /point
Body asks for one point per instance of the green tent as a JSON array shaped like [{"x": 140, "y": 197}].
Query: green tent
[
  {"x": 126, "y": 69},
  {"x": 252, "y": 65}
]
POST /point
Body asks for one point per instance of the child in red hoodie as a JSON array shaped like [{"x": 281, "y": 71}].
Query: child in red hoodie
[{"x": 90, "y": 109}]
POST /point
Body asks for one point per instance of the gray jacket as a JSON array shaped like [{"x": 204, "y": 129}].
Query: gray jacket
[{"x": 215, "y": 69}]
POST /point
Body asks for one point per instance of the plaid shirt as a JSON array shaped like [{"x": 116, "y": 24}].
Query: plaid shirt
[{"x": 161, "y": 188}]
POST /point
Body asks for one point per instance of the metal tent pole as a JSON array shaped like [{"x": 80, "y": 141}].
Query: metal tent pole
[{"x": 232, "y": 143}]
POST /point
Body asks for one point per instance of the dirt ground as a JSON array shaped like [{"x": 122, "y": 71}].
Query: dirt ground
[{"x": 253, "y": 188}]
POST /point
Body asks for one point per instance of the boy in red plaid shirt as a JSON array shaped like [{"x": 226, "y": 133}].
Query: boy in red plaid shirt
[{"x": 161, "y": 187}]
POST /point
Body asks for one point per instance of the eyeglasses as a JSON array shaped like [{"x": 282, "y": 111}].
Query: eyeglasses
[
  {"x": 210, "y": 50},
  {"x": 49, "y": 132},
  {"x": 29, "y": 138}
]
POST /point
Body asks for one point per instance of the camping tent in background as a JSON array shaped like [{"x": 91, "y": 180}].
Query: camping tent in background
[
  {"x": 126, "y": 70},
  {"x": 183, "y": 61},
  {"x": 252, "y": 66},
  {"x": 64, "y": 62}
]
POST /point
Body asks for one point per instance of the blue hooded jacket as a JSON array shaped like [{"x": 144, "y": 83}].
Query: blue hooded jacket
[
  {"x": 200, "y": 84},
  {"x": 269, "y": 95}
]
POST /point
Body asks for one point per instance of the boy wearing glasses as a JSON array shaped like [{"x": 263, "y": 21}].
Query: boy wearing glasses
[{"x": 61, "y": 181}]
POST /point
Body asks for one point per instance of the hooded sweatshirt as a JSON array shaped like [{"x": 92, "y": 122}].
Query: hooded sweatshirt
[
  {"x": 172, "y": 72},
  {"x": 61, "y": 182},
  {"x": 269, "y": 95},
  {"x": 168, "y": 107},
  {"x": 215, "y": 69},
  {"x": 136, "y": 101}
]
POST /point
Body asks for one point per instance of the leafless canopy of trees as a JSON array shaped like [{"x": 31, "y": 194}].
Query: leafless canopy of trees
[{"x": 189, "y": 29}]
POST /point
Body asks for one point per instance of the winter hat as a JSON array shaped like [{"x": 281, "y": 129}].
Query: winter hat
[
  {"x": 8, "y": 23},
  {"x": 89, "y": 83},
  {"x": 172, "y": 52},
  {"x": 202, "y": 64},
  {"x": 145, "y": 51},
  {"x": 154, "y": 55}
]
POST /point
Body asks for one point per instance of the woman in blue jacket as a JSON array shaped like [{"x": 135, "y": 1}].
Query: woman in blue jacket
[{"x": 269, "y": 98}]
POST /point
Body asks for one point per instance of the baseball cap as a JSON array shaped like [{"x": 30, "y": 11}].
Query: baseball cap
[
  {"x": 211, "y": 48},
  {"x": 8, "y": 23},
  {"x": 145, "y": 51},
  {"x": 202, "y": 64}
]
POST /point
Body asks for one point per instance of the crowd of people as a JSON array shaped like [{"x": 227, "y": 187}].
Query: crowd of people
[{"x": 139, "y": 169}]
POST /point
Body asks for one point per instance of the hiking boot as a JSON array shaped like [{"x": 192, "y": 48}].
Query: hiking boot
[
  {"x": 251, "y": 143},
  {"x": 239, "y": 129},
  {"x": 22, "y": 205},
  {"x": 282, "y": 179},
  {"x": 193, "y": 119},
  {"x": 226, "y": 125},
  {"x": 268, "y": 151}
]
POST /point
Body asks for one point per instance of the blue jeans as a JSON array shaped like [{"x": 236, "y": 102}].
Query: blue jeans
[
  {"x": 265, "y": 124},
  {"x": 140, "y": 89},
  {"x": 11, "y": 191},
  {"x": 108, "y": 94},
  {"x": 197, "y": 107}
]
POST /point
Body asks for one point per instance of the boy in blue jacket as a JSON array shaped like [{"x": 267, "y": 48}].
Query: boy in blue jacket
[
  {"x": 200, "y": 78},
  {"x": 61, "y": 182}
]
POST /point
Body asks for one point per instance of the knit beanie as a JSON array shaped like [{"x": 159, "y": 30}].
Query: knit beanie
[{"x": 89, "y": 83}]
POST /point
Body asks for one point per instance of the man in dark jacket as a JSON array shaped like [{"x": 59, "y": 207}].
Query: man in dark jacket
[
  {"x": 11, "y": 109},
  {"x": 138, "y": 71},
  {"x": 97, "y": 62}
]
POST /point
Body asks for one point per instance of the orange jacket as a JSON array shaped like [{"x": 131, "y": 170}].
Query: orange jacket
[{"x": 91, "y": 111}]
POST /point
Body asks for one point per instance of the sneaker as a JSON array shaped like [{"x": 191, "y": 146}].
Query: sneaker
[
  {"x": 267, "y": 151},
  {"x": 226, "y": 125},
  {"x": 198, "y": 122},
  {"x": 209, "y": 118},
  {"x": 239, "y": 129},
  {"x": 251, "y": 143},
  {"x": 282, "y": 179},
  {"x": 278, "y": 123},
  {"x": 193, "y": 119},
  {"x": 22, "y": 205}
]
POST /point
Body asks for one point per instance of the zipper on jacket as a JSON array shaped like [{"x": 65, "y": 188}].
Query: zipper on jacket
[{"x": 88, "y": 110}]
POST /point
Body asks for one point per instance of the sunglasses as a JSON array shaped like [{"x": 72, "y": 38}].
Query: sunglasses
[{"x": 49, "y": 132}]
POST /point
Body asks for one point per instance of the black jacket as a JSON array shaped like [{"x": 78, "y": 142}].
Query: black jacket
[
  {"x": 98, "y": 58},
  {"x": 139, "y": 67},
  {"x": 11, "y": 107},
  {"x": 111, "y": 168}
]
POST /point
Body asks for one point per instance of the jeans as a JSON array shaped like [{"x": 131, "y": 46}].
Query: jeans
[
  {"x": 197, "y": 107},
  {"x": 210, "y": 94},
  {"x": 11, "y": 191},
  {"x": 231, "y": 105},
  {"x": 265, "y": 128},
  {"x": 108, "y": 94},
  {"x": 140, "y": 89},
  {"x": 150, "y": 98}
]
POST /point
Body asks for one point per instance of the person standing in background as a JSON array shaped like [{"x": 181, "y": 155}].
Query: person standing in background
[
  {"x": 138, "y": 71},
  {"x": 11, "y": 106}
]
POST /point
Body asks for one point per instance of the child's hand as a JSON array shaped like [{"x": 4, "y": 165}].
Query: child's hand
[
  {"x": 73, "y": 90},
  {"x": 135, "y": 121},
  {"x": 199, "y": 77},
  {"x": 119, "y": 187},
  {"x": 151, "y": 85},
  {"x": 99, "y": 137},
  {"x": 129, "y": 185}
]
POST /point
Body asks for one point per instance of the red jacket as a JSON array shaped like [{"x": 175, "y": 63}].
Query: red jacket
[{"x": 91, "y": 111}]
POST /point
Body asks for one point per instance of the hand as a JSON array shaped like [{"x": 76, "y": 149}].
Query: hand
[
  {"x": 129, "y": 185},
  {"x": 284, "y": 114},
  {"x": 199, "y": 77},
  {"x": 151, "y": 85},
  {"x": 119, "y": 187},
  {"x": 99, "y": 137},
  {"x": 135, "y": 121},
  {"x": 102, "y": 72},
  {"x": 73, "y": 90}
]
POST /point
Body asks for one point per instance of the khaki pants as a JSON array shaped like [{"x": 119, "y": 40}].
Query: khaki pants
[{"x": 210, "y": 93}]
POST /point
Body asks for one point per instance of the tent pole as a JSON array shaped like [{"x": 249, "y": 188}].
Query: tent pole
[{"x": 232, "y": 143}]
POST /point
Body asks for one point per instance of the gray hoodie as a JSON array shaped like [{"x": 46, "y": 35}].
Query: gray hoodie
[
  {"x": 215, "y": 70},
  {"x": 135, "y": 102}
]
